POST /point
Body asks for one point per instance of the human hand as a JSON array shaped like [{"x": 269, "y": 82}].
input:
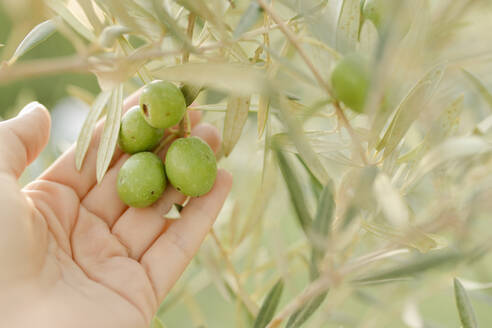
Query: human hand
[{"x": 71, "y": 253}]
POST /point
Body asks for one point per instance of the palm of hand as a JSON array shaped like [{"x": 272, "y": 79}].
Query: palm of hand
[{"x": 73, "y": 255}]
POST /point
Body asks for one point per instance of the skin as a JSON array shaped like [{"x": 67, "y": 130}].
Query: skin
[
  {"x": 191, "y": 166},
  {"x": 72, "y": 254}
]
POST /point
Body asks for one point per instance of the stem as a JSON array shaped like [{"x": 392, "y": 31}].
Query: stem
[
  {"x": 297, "y": 44},
  {"x": 164, "y": 142},
  {"x": 250, "y": 305}
]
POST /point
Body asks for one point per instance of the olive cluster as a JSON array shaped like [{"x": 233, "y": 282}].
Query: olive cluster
[{"x": 190, "y": 164}]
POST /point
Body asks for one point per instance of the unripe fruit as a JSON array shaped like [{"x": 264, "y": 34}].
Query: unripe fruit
[
  {"x": 136, "y": 134},
  {"x": 163, "y": 104},
  {"x": 350, "y": 81},
  {"x": 141, "y": 180},
  {"x": 190, "y": 166}
]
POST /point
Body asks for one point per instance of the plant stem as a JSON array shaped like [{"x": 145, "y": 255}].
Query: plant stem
[{"x": 297, "y": 44}]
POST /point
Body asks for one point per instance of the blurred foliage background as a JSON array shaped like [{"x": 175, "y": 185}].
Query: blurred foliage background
[{"x": 258, "y": 239}]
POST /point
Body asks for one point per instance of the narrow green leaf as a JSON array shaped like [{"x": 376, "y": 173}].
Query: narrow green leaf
[
  {"x": 298, "y": 318},
  {"x": 60, "y": 8},
  {"x": 465, "y": 309},
  {"x": 416, "y": 265},
  {"x": 111, "y": 33},
  {"x": 85, "y": 135},
  {"x": 348, "y": 23},
  {"x": 262, "y": 116},
  {"x": 316, "y": 185},
  {"x": 248, "y": 19},
  {"x": 484, "y": 92},
  {"x": 322, "y": 226},
  {"x": 269, "y": 305},
  {"x": 235, "y": 118},
  {"x": 37, "y": 35},
  {"x": 295, "y": 189},
  {"x": 172, "y": 25},
  {"x": 410, "y": 108},
  {"x": 109, "y": 136},
  {"x": 297, "y": 136},
  {"x": 157, "y": 323},
  {"x": 190, "y": 92}
]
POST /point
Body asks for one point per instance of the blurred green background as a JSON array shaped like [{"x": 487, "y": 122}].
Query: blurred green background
[{"x": 200, "y": 298}]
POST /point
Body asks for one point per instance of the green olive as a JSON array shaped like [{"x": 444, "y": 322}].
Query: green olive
[
  {"x": 382, "y": 12},
  {"x": 141, "y": 180},
  {"x": 350, "y": 81},
  {"x": 191, "y": 166},
  {"x": 162, "y": 103},
  {"x": 136, "y": 134}
]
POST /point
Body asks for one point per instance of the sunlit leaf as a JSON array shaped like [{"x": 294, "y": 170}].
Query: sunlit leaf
[
  {"x": 248, "y": 19},
  {"x": 109, "y": 137},
  {"x": 172, "y": 26},
  {"x": 263, "y": 109},
  {"x": 85, "y": 135},
  {"x": 348, "y": 26},
  {"x": 410, "y": 108},
  {"x": 452, "y": 149},
  {"x": 235, "y": 118},
  {"x": 61, "y": 9},
  {"x": 37, "y": 35},
  {"x": 269, "y": 305},
  {"x": 235, "y": 78},
  {"x": 298, "y": 318},
  {"x": 465, "y": 309},
  {"x": 484, "y": 92},
  {"x": 111, "y": 33},
  {"x": 390, "y": 200}
]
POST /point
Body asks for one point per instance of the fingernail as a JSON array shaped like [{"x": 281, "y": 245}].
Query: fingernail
[{"x": 30, "y": 107}]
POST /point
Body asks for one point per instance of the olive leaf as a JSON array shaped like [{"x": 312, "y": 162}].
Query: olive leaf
[
  {"x": 322, "y": 226},
  {"x": 238, "y": 79},
  {"x": 410, "y": 108},
  {"x": 190, "y": 92},
  {"x": 68, "y": 17},
  {"x": 38, "y": 34},
  {"x": 347, "y": 32},
  {"x": 416, "y": 265},
  {"x": 248, "y": 19},
  {"x": 86, "y": 132},
  {"x": 295, "y": 188},
  {"x": 452, "y": 149},
  {"x": 484, "y": 92},
  {"x": 109, "y": 136},
  {"x": 235, "y": 118},
  {"x": 269, "y": 305},
  {"x": 262, "y": 116},
  {"x": 298, "y": 318},
  {"x": 465, "y": 309},
  {"x": 172, "y": 25},
  {"x": 111, "y": 33},
  {"x": 90, "y": 13},
  {"x": 391, "y": 202}
]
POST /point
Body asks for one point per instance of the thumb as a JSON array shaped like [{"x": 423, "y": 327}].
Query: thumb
[{"x": 23, "y": 138}]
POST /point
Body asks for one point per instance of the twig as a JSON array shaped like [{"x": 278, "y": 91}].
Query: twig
[
  {"x": 297, "y": 44},
  {"x": 250, "y": 305}
]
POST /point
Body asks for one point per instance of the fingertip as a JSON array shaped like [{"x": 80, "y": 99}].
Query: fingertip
[
  {"x": 224, "y": 179},
  {"x": 195, "y": 116},
  {"x": 209, "y": 134}
]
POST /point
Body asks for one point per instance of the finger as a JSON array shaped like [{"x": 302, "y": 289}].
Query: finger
[
  {"x": 169, "y": 255},
  {"x": 23, "y": 138},
  {"x": 103, "y": 199},
  {"x": 138, "y": 228},
  {"x": 64, "y": 171}
]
